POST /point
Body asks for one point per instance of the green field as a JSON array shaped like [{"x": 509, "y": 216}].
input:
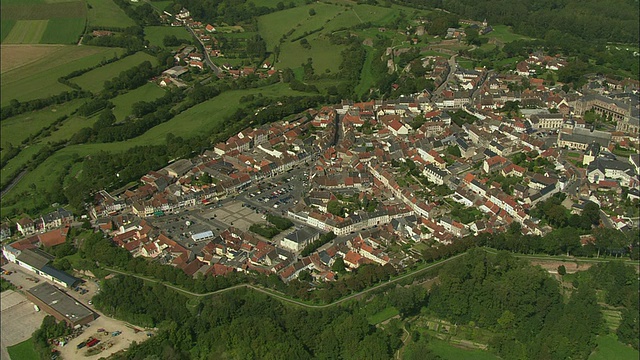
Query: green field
[
  {"x": 610, "y": 348},
  {"x": 503, "y": 33},
  {"x": 17, "y": 162},
  {"x": 207, "y": 117},
  {"x": 303, "y": 22},
  {"x": 325, "y": 55},
  {"x": 274, "y": 25},
  {"x": 158, "y": 5},
  {"x": 360, "y": 13},
  {"x": 17, "y": 128},
  {"x": 63, "y": 31},
  {"x": 383, "y": 315},
  {"x": 26, "y": 32},
  {"x": 23, "y": 351},
  {"x": 107, "y": 13},
  {"x": 50, "y": 22},
  {"x": 449, "y": 352},
  {"x": 69, "y": 127},
  {"x": 43, "y": 11},
  {"x": 147, "y": 92},
  {"x": 467, "y": 64},
  {"x": 94, "y": 79},
  {"x": 367, "y": 78},
  {"x": 6, "y": 26},
  {"x": 39, "y": 78},
  {"x": 156, "y": 34}
]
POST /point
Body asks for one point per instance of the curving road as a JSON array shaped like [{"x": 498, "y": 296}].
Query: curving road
[{"x": 291, "y": 301}]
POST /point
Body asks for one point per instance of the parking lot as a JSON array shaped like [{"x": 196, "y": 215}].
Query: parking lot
[
  {"x": 19, "y": 319},
  {"x": 279, "y": 194},
  {"x": 235, "y": 214}
]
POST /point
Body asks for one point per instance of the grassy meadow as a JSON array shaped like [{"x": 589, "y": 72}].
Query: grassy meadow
[
  {"x": 34, "y": 21},
  {"x": 5, "y": 28},
  {"x": 147, "y": 92},
  {"x": 63, "y": 31},
  {"x": 504, "y": 34},
  {"x": 107, "y": 13},
  {"x": 610, "y": 348},
  {"x": 156, "y": 34},
  {"x": 383, "y": 315},
  {"x": 326, "y": 56},
  {"x": 205, "y": 117},
  {"x": 23, "y": 351},
  {"x": 39, "y": 78},
  {"x": 367, "y": 78},
  {"x": 18, "y": 128},
  {"x": 26, "y": 32},
  {"x": 94, "y": 79}
]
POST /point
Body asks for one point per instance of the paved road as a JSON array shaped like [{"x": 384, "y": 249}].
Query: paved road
[
  {"x": 562, "y": 258},
  {"x": 207, "y": 58},
  {"x": 273, "y": 294},
  {"x": 452, "y": 69},
  {"x": 13, "y": 183}
]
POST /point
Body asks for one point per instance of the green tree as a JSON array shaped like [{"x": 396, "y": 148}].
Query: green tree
[{"x": 562, "y": 271}]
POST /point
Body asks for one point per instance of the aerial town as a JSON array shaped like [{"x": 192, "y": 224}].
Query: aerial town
[
  {"x": 387, "y": 178},
  {"x": 197, "y": 179}
]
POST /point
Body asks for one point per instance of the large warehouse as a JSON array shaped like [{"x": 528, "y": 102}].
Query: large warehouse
[{"x": 60, "y": 305}]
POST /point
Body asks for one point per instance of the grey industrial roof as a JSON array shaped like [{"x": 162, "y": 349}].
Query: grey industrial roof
[
  {"x": 60, "y": 275},
  {"x": 32, "y": 258},
  {"x": 60, "y": 302},
  {"x": 302, "y": 235}
]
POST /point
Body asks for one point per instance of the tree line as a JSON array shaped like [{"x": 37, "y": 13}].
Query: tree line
[
  {"x": 521, "y": 304},
  {"x": 615, "y": 21}
]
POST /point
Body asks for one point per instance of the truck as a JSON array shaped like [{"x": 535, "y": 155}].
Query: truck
[
  {"x": 92, "y": 342},
  {"x": 36, "y": 308}
]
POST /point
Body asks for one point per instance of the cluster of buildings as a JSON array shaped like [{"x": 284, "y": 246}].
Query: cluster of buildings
[
  {"x": 396, "y": 172},
  {"x": 388, "y": 172},
  {"x": 205, "y": 34}
]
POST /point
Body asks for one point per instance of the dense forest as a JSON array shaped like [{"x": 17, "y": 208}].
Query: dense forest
[
  {"x": 526, "y": 310},
  {"x": 593, "y": 20},
  {"x": 241, "y": 325},
  {"x": 521, "y": 303}
]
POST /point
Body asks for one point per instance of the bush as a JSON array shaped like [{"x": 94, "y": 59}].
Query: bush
[
  {"x": 267, "y": 231},
  {"x": 279, "y": 222}
]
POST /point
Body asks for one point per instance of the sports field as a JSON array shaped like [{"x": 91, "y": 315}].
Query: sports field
[
  {"x": 39, "y": 77},
  {"x": 94, "y": 79},
  {"x": 107, "y": 13}
]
